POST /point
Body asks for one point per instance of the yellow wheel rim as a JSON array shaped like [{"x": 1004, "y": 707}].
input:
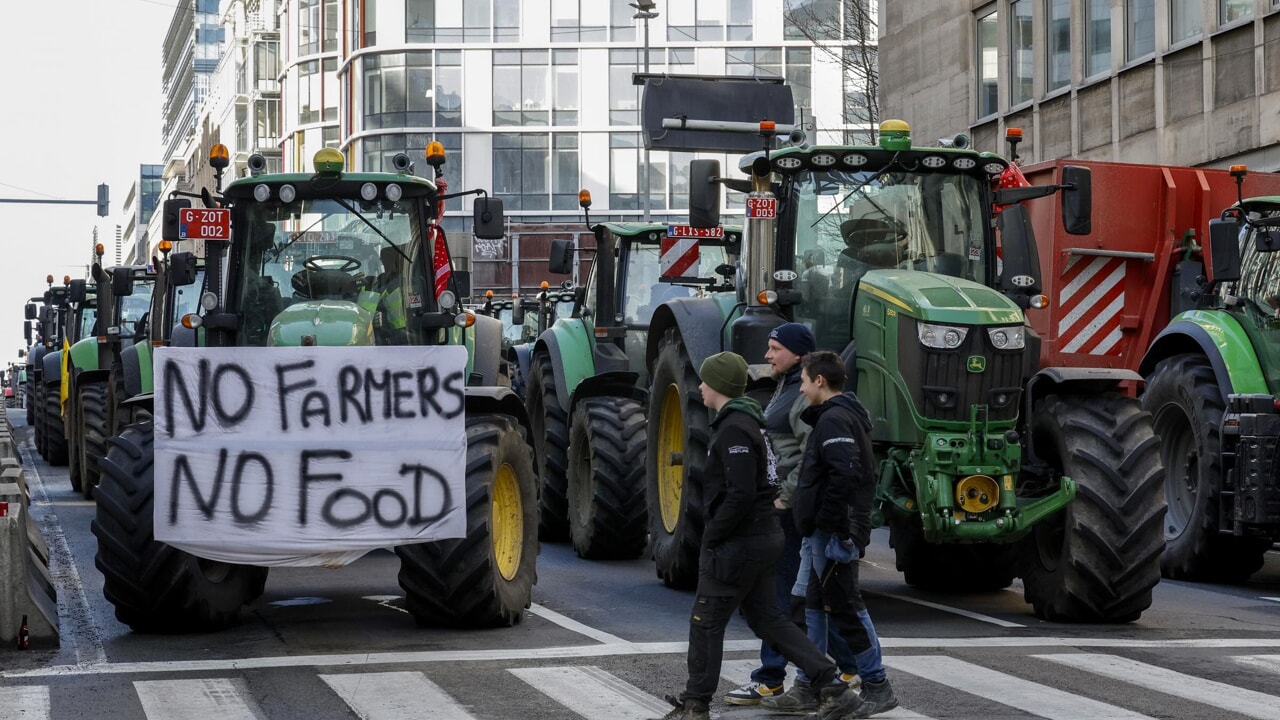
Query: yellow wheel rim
[
  {"x": 671, "y": 457},
  {"x": 506, "y": 531}
]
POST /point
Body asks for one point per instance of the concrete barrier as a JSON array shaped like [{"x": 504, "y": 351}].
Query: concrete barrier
[{"x": 26, "y": 585}]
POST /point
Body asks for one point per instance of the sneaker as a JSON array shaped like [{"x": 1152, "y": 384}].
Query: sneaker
[
  {"x": 852, "y": 680},
  {"x": 686, "y": 710},
  {"x": 877, "y": 697},
  {"x": 837, "y": 702},
  {"x": 801, "y": 699},
  {"x": 752, "y": 693}
]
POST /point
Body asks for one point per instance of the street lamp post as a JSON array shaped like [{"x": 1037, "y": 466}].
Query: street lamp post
[{"x": 646, "y": 10}]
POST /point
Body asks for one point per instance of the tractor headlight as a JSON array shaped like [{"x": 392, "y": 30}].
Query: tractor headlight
[
  {"x": 941, "y": 337},
  {"x": 447, "y": 300},
  {"x": 1007, "y": 338}
]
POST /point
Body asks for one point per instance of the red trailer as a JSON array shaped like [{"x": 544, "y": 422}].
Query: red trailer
[{"x": 1109, "y": 291}]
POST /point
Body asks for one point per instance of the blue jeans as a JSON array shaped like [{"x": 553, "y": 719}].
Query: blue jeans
[{"x": 835, "y": 585}]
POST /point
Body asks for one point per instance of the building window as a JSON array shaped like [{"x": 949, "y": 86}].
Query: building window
[
  {"x": 697, "y": 20},
  {"x": 1140, "y": 29},
  {"x": 579, "y": 20},
  {"x": 1057, "y": 45},
  {"x": 330, "y": 30},
  {"x": 433, "y": 21},
  {"x": 1184, "y": 20},
  {"x": 331, "y": 137},
  {"x": 622, "y": 23},
  {"x": 521, "y": 170},
  {"x": 564, "y": 88},
  {"x": 416, "y": 89},
  {"x": 329, "y": 74},
  {"x": 266, "y": 123},
  {"x": 753, "y": 62},
  {"x": 379, "y": 149},
  {"x": 368, "y": 22},
  {"x": 1097, "y": 37},
  {"x": 310, "y": 95},
  {"x": 1021, "y": 59},
  {"x": 811, "y": 19},
  {"x": 308, "y": 27},
  {"x": 521, "y": 87},
  {"x": 1230, "y": 11},
  {"x": 799, "y": 72},
  {"x": 988, "y": 64},
  {"x": 565, "y": 181},
  {"x": 624, "y": 171},
  {"x": 624, "y": 96}
]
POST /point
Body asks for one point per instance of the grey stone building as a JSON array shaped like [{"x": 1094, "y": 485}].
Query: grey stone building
[{"x": 1180, "y": 82}]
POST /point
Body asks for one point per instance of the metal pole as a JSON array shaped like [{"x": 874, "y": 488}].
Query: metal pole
[{"x": 648, "y": 202}]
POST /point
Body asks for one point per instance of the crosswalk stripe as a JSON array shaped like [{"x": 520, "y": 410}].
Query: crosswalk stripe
[
  {"x": 203, "y": 699},
  {"x": 1172, "y": 682},
  {"x": 593, "y": 693},
  {"x": 1007, "y": 689},
  {"x": 24, "y": 702},
  {"x": 1270, "y": 663},
  {"x": 395, "y": 696}
]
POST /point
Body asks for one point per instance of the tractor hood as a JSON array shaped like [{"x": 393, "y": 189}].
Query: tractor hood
[
  {"x": 941, "y": 298},
  {"x": 331, "y": 322}
]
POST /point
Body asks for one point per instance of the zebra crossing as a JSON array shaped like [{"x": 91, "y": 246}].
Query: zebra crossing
[{"x": 588, "y": 691}]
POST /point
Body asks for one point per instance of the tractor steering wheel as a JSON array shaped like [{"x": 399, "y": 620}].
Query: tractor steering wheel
[{"x": 348, "y": 263}]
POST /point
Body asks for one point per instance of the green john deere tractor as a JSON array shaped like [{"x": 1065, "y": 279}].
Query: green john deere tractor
[
  {"x": 292, "y": 263},
  {"x": 991, "y": 466},
  {"x": 1213, "y": 376}
]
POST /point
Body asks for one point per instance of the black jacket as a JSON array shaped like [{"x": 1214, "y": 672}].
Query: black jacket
[
  {"x": 739, "y": 479},
  {"x": 837, "y": 479}
]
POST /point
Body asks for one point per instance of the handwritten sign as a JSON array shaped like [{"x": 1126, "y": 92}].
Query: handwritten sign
[
  {"x": 204, "y": 224},
  {"x": 308, "y": 455}
]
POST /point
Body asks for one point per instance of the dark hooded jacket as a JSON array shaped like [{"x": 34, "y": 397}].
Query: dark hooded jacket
[
  {"x": 739, "y": 478},
  {"x": 837, "y": 478}
]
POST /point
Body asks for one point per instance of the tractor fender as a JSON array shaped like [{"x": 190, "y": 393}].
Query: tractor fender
[
  {"x": 78, "y": 379},
  {"x": 486, "y": 350},
  {"x": 520, "y": 356},
  {"x": 701, "y": 323},
  {"x": 497, "y": 399},
  {"x": 52, "y": 363},
  {"x": 1078, "y": 381},
  {"x": 84, "y": 354},
  {"x": 144, "y": 400},
  {"x": 136, "y": 359},
  {"x": 570, "y": 348},
  {"x": 35, "y": 360},
  {"x": 1220, "y": 339},
  {"x": 616, "y": 383}
]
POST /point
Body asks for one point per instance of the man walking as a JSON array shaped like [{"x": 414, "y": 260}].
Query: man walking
[
  {"x": 741, "y": 543},
  {"x": 832, "y": 504}
]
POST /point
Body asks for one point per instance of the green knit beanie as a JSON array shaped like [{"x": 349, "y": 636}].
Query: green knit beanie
[{"x": 726, "y": 373}]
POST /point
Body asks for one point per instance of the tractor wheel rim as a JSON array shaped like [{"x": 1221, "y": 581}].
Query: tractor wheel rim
[
  {"x": 670, "y": 446},
  {"x": 507, "y": 528},
  {"x": 1181, "y": 479}
]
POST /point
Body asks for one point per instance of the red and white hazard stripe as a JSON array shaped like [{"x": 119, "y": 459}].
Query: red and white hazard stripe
[
  {"x": 1092, "y": 302},
  {"x": 679, "y": 257}
]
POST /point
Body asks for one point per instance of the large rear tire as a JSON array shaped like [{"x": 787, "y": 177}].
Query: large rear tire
[
  {"x": 1098, "y": 559},
  {"x": 54, "y": 433},
  {"x": 678, "y": 437},
  {"x": 93, "y": 435},
  {"x": 155, "y": 587},
  {"x": 951, "y": 568},
  {"x": 486, "y": 578},
  {"x": 38, "y": 426},
  {"x": 1186, "y": 405},
  {"x": 550, "y": 427},
  {"x": 607, "y": 516}
]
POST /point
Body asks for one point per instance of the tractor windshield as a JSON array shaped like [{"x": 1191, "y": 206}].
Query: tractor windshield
[
  {"x": 133, "y": 307},
  {"x": 646, "y": 291},
  {"x": 849, "y": 222},
  {"x": 87, "y": 317},
  {"x": 332, "y": 250},
  {"x": 1259, "y": 282}
]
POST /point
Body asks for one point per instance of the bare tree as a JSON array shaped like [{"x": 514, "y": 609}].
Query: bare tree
[{"x": 847, "y": 32}]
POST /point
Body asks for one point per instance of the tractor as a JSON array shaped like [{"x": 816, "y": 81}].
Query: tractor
[
  {"x": 918, "y": 270},
  {"x": 306, "y": 268}
]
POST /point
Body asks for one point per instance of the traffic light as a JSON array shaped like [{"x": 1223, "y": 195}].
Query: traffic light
[{"x": 103, "y": 201}]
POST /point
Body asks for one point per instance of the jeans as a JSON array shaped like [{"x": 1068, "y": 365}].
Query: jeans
[
  {"x": 773, "y": 667},
  {"x": 753, "y": 590},
  {"x": 835, "y": 585},
  {"x": 823, "y": 634}
]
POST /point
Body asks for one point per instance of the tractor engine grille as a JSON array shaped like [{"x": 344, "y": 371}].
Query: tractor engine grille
[{"x": 942, "y": 384}]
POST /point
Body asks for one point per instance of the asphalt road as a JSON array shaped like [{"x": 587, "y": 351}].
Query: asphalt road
[{"x": 605, "y": 640}]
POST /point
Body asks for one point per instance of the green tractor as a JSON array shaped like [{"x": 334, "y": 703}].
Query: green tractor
[
  {"x": 1213, "y": 376},
  {"x": 584, "y": 380},
  {"x": 292, "y": 271},
  {"x": 991, "y": 466}
]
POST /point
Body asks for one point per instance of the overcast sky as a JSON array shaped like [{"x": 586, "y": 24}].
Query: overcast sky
[{"x": 80, "y": 103}]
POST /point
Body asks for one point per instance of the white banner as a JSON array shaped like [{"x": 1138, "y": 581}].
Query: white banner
[{"x": 308, "y": 455}]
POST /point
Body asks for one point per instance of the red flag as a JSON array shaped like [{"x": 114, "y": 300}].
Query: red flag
[
  {"x": 1012, "y": 177},
  {"x": 440, "y": 261}
]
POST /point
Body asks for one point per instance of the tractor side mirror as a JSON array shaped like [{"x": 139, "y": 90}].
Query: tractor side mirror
[
  {"x": 1077, "y": 200},
  {"x": 462, "y": 279},
  {"x": 488, "y": 220},
  {"x": 26, "y": 333},
  {"x": 170, "y": 228},
  {"x": 182, "y": 268},
  {"x": 76, "y": 292},
  {"x": 1222, "y": 261},
  {"x": 704, "y": 193},
  {"x": 1021, "y": 274},
  {"x": 121, "y": 281},
  {"x": 517, "y": 312},
  {"x": 1266, "y": 239},
  {"x": 560, "y": 261},
  {"x": 32, "y": 312}
]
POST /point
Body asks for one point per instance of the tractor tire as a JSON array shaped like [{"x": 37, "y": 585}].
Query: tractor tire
[
  {"x": 1186, "y": 406},
  {"x": 38, "y": 407},
  {"x": 29, "y": 404},
  {"x": 55, "y": 433},
  {"x": 74, "y": 429},
  {"x": 550, "y": 428},
  {"x": 92, "y": 409},
  {"x": 154, "y": 587},
  {"x": 607, "y": 515},
  {"x": 1097, "y": 560},
  {"x": 678, "y": 437},
  {"x": 117, "y": 416},
  {"x": 953, "y": 567},
  {"x": 486, "y": 578}
]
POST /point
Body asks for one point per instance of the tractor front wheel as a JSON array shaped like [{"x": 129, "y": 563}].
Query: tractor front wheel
[
  {"x": 1097, "y": 559},
  {"x": 92, "y": 410},
  {"x": 486, "y": 578},
  {"x": 550, "y": 427},
  {"x": 949, "y": 568},
  {"x": 677, "y": 443},
  {"x": 156, "y": 587},
  {"x": 54, "y": 433},
  {"x": 606, "y": 479}
]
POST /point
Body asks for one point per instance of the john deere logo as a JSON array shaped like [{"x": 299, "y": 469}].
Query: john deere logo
[{"x": 977, "y": 364}]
